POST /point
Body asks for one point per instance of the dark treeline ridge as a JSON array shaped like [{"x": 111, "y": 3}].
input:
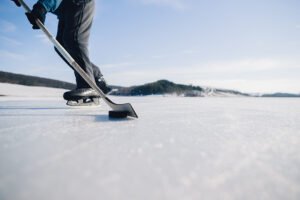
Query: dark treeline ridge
[
  {"x": 7, "y": 77},
  {"x": 281, "y": 95},
  {"x": 156, "y": 88}
]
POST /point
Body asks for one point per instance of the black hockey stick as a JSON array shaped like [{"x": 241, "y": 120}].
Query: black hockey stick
[{"x": 118, "y": 110}]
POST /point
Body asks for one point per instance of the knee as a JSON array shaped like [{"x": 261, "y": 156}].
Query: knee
[
  {"x": 74, "y": 41},
  {"x": 69, "y": 42}
]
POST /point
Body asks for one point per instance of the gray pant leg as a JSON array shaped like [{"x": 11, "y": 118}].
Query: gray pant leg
[
  {"x": 75, "y": 21},
  {"x": 59, "y": 38}
]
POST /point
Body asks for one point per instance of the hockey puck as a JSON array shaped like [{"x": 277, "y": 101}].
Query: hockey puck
[{"x": 117, "y": 114}]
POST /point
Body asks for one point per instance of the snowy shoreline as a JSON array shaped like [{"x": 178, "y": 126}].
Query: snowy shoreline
[{"x": 14, "y": 90}]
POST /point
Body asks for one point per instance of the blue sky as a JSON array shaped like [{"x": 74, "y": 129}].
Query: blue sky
[{"x": 248, "y": 45}]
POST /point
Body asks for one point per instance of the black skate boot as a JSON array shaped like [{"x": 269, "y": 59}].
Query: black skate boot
[
  {"x": 101, "y": 83},
  {"x": 82, "y": 97}
]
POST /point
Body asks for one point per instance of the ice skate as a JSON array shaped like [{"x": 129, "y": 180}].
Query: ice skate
[
  {"x": 82, "y": 97},
  {"x": 101, "y": 83}
]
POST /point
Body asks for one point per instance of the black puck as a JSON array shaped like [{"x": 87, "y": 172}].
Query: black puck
[{"x": 117, "y": 114}]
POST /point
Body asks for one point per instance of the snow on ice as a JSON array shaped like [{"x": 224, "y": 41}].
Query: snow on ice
[{"x": 179, "y": 148}]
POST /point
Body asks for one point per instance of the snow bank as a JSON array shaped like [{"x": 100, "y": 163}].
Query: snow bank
[{"x": 13, "y": 90}]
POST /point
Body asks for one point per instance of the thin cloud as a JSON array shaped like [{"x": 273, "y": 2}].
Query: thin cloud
[
  {"x": 118, "y": 65},
  {"x": 10, "y": 55},
  {"x": 7, "y": 27},
  {"x": 9, "y": 41},
  {"x": 243, "y": 65},
  {"x": 189, "y": 52},
  {"x": 175, "y": 4},
  {"x": 43, "y": 38}
]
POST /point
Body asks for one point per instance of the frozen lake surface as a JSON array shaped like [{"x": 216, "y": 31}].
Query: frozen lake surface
[{"x": 179, "y": 148}]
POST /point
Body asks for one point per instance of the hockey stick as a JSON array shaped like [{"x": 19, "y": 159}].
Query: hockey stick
[{"x": 122, "y": 108}]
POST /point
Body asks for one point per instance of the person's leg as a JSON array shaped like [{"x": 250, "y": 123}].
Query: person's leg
[
  {"x": 76, "y": 24},
  {"x": 60, "y": 12},
  {"x": 59, "y": 38},
  {"x": 63, "y": 16}
]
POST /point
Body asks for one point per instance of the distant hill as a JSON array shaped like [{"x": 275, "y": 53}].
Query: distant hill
[
  {"x": 6, "y": 77},
  {"x": 161, "y": 87},
  {"x": 156, "y": 88}
]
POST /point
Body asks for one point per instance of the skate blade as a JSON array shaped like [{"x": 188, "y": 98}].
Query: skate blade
[{"x": 84, "y": 102}]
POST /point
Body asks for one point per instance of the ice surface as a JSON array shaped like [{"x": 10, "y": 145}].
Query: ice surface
[{"x": 179, "y": 148}]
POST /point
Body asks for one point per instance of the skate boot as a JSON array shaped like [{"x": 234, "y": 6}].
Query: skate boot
[
  {"x": 82, "y": 97},
  {"x": 101, "y": 83}
]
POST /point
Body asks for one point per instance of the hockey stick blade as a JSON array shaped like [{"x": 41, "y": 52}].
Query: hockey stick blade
[{"x": 127, "y": 107}]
